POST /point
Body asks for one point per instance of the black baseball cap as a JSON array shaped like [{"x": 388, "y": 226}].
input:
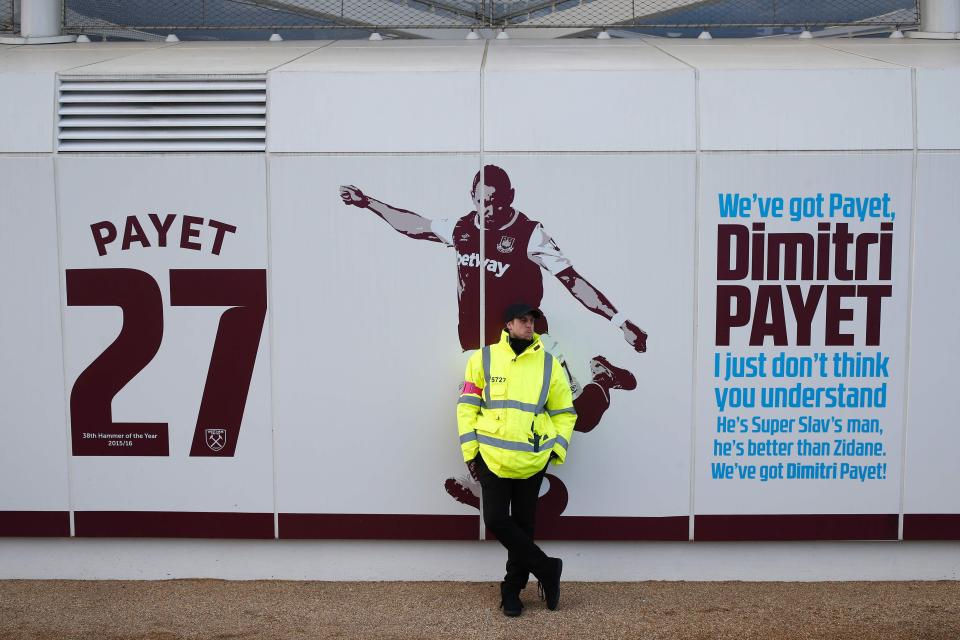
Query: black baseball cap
[{"x": 520, "y": 309}]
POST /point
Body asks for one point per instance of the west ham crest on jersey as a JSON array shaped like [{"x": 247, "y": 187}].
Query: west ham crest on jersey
[
  {"x": 216, "y": 438},
  {"x": 506, "y": 244}
]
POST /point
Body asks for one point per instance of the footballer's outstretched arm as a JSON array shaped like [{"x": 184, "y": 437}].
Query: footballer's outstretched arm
[
  {"x": 545, "y": 252},
  {"x": 594, "y": 300},
  {"x": 410, "y": 224}
]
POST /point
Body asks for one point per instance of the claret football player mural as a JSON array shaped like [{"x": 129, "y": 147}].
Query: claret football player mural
[{"x": 517, "y": 250}]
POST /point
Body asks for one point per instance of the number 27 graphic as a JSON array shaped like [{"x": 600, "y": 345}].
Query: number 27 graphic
[{"x": 93, "y": 431}]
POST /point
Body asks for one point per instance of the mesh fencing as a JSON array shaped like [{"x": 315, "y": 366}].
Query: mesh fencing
[
  {"x": 688, "y": 13},
  {"x": 213, "y": 15},
  {"x": 7, "y": 16}
]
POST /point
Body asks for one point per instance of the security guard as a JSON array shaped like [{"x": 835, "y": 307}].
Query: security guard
[{"x": 515, "y": 415}]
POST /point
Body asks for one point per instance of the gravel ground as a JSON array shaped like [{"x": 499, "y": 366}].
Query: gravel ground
[{"x": 215, "y": 609}]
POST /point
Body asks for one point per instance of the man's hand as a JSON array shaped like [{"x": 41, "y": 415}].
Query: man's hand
[
  {"x": 635, "y": 336},
  {"x": 353, "y": 196},
  {"x": 472, "y": 468}
]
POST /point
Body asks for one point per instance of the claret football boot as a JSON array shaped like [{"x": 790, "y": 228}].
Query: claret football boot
[{"x": 614, "y": 377}]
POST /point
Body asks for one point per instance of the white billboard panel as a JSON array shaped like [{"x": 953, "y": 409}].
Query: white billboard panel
[
  {"x": 806, "y": 109},
  {"x": 931, "y": 503},
  {"x": 595, "y": 97},
  {"x": 624, "y": 225},
  {"x": 369, "y": 346},
  {"x": 802, "y": 307},
  {"x": 937, "y": 124},
  {"x": 23, "y": 127},
  {"x": 34, "y": 494},
  {"x": 389, "y": 98},
  {"x": 367, "y": 363},
  {"x": 166, "y": 347}
]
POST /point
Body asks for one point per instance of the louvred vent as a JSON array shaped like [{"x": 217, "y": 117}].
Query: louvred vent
[{"x": 163, "y": 115}]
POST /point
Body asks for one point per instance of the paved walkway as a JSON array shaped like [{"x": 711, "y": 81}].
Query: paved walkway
[{"x": 274, "y": 610}]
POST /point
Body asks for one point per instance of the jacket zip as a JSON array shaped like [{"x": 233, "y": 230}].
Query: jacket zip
[{"x": 534, "y": 438}]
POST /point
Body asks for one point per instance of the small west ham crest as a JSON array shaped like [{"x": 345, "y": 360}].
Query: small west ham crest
[
  {"x": 506, "y": 244},
  {"x": 216, "y": 439}
]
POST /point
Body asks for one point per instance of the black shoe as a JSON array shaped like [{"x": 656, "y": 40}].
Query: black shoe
[
  {"x": 510, "y": 600},
  {"x": 549, "y": 582}
]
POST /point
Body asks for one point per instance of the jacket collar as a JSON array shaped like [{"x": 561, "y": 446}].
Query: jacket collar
[{"x": 504, "y": 343}]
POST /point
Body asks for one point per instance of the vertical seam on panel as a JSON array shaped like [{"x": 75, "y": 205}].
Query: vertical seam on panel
[
  {"x": 691, "y": 518},
  {"x": 270, "y": 332},
  {"x": 481, "y": 218},
  {"x": 270, "y": 338},
  {"x": 696, "y": 306},
  {"x": 62, "y": 312},
  {"x": 909, "y": 328},
  {"x": 481, "y": 223}
]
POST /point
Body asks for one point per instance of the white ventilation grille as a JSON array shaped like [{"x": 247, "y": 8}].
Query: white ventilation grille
[{"x": 163, "y": 115}]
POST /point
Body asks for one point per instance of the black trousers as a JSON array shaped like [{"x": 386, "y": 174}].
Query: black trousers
[{"x": 509, "y": 511}]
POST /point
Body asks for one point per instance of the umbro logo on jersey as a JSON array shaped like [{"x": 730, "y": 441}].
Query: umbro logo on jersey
[{"x": 495, "y": 267}]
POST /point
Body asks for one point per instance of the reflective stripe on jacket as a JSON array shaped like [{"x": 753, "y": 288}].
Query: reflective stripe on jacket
[{"x": 515, "y": 409}]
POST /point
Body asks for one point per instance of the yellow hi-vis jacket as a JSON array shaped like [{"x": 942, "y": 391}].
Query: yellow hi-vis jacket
[{"x": 515, "y": 409}]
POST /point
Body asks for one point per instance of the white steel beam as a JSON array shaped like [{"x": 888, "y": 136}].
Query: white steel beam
[
  {"x": 39, "y": 23},
  {"x": 939, "y": 20},
  {"x": 40, "y": 18}
]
